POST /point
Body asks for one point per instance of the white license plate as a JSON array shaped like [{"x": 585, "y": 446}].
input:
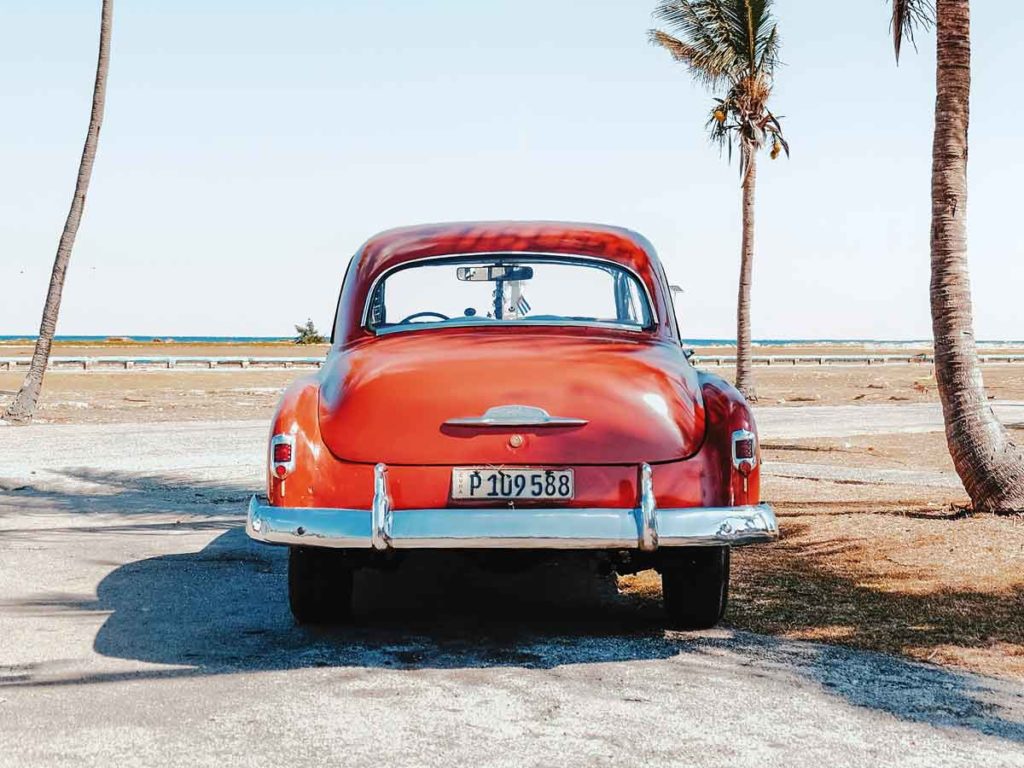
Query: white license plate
[{"x": 487, "y": 483}]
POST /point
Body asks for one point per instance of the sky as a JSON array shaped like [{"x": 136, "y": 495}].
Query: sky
[{"x": 249, "y": 148}]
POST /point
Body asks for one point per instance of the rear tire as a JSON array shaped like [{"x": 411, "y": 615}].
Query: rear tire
[
  {"x": 319, "y": 586},
  {"x": 695, "y": 586}
]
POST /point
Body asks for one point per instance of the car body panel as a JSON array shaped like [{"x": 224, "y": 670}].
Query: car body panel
[
  {"x": 382, "y": 401},
  {"x": 390, "y": 401},
  {"x": 706, "y": 479}
]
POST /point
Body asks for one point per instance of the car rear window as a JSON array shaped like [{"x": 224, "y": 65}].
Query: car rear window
[{"x": 508, "y": 289}]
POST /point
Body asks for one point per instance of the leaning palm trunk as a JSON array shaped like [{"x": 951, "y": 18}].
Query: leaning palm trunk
[
  {"x": 744, "y": 364},
  {"x": 22, "y": 408},
  {"x": 990, "y": 466}
]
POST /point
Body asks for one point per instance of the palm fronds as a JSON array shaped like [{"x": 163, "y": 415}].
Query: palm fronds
[
  {"x": 706, "y": 65},
  {"x": 731, "y": 44},
  {"x": 725, "y": 39},
  {"x": 908, "y": 15}
]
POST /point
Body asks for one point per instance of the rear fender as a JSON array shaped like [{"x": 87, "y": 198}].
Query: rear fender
[
  {"x": 728, "y": 411},
  {"x": 317, "y": 474}
]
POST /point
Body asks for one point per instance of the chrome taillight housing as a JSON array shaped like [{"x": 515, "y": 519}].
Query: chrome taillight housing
[
  {"x": 744, "y": 451},
  {"x": 282, "y": 455}
]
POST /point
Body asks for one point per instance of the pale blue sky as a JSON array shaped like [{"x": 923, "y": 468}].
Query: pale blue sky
[{"x": 250, "y": 147}]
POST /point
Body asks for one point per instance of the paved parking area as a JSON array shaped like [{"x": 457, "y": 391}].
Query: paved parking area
[{"x": 139, "y": 626}]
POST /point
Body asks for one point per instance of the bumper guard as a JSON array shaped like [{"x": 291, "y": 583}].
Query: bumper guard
[{"x": 644, "y": 527}]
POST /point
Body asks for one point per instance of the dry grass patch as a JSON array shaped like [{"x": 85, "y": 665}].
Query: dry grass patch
[
  {"x": 928, "y": 583},
  {"x": 869, "y": 384},
  {"x": 146, "y": 396}
]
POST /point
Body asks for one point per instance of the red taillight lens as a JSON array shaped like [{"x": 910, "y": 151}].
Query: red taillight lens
[
  {"x": 282, "y": 455},
  {"x": 744, "y": 449}
]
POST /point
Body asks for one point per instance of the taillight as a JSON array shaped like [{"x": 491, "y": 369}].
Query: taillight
[
  {"x": 744, "y": 451},
  {"x": 282, "y": 455}
]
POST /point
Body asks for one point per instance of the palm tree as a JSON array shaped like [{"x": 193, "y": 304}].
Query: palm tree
[
  {"x": 733, "y": 45},
  {"x": 22, "y": 408},
  {"x": 990, "y": 466}
]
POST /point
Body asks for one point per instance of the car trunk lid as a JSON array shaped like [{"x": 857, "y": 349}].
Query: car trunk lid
[{"x": 431, "y": 397}]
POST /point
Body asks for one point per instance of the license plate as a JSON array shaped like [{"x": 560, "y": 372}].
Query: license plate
[{"x": 487, "y": 483}]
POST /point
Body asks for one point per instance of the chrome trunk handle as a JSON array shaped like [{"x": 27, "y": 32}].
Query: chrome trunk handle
[{"x": 515, "y": 416}]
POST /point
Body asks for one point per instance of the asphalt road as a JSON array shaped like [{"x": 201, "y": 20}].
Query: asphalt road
[{"x": 138, "y": 626}]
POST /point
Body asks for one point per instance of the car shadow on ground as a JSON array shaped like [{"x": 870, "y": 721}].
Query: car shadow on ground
[
  {"x": 223, "y": 610},
  {"x": 226, "y": 608}
]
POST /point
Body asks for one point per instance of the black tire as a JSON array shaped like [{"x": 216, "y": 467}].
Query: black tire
[
  {"x": 319, "y": 586},
  {"x": 695, "y": 586}
]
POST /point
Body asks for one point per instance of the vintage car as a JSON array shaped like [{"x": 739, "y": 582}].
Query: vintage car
[{"x": 502, "y": 389}]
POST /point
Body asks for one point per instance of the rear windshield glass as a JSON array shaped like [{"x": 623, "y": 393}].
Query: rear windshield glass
[{"x": 508, "y": 289}]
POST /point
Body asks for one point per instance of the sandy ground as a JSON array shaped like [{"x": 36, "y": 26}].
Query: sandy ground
[
  {"x": 140, "y": 626},
  {"x": 154, "y": 395}
]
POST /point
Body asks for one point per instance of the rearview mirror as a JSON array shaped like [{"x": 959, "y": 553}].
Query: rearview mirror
[{"x": 493, "y": 273}]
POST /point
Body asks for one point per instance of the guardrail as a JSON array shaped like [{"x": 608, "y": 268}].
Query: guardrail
[
  {"x": 699, "y": 359},
  {"x": 169, "y": 363},
  {"x": 193, "y": 363}
]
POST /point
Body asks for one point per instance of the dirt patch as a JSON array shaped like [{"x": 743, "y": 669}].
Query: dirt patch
[
  {"x": 917, "y": 451},
  {"x": 868, "y": 384},
  {"x": 155, "y": 395}
]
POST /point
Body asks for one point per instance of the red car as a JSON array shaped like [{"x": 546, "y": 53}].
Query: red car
[{"x": 511, "y": 386}]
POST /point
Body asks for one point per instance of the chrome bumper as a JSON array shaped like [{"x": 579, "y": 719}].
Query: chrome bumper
[{"x": 644, "y": 527}]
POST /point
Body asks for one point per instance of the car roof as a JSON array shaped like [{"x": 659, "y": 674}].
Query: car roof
[{"x": 395, "y": 247}]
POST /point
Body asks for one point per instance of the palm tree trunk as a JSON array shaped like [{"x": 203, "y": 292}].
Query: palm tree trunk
[
  {"x": 22, "y": 408},
  {"x": 744, "y": 365},
  {"x": 990, "y": 466}
]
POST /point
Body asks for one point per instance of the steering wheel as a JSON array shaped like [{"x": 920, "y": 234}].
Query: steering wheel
[{"x": 417, "y": 315}]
